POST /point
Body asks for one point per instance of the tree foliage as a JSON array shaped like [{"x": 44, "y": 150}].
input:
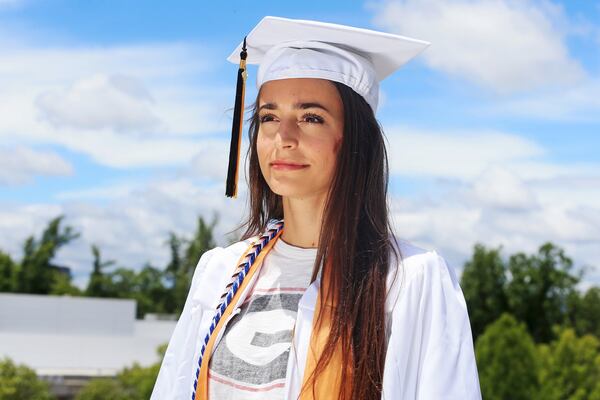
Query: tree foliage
[
  {"x": 584, "y": 312},
  {"x": 37, "y": 274},
  {"x": 570, "y": 367},
  {"x": 537, "y": 289},
  {"x": 483, "y": 283},
  {"x": 184, "y": 258},
  {"x": 62, "y": 286},
  {"x": 99, "y": 283},
  {"x": 8, "y": 272},
  {"x": 133, "y": 383},
  {"x": 18, "y": 382},
  {"x": 102, "y": 389},
  {"x": 507, "y": 361},
  {"x": 540, "y": 289},
  {"x": 139, "y": 381}
]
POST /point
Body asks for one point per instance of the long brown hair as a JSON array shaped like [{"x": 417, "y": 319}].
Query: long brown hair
[{"x": 355, "y": 240}]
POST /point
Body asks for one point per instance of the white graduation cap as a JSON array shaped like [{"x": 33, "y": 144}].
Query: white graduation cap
[{"x": 287, "y": 48}]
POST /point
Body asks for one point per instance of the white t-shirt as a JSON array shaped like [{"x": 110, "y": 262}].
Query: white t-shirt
[{"x": 250, "y": 360}]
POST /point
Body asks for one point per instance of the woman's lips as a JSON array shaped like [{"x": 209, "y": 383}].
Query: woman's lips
[{"x": 287, "y": 166}]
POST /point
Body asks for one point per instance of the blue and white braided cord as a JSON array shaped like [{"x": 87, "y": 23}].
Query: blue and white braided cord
[{"x": 236, "y": 283}]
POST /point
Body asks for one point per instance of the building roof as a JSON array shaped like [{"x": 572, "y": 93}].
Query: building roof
[{"x": 79, "y": 336}]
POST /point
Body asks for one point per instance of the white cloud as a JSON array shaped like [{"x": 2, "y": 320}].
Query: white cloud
[
  {"x": 133, "y": 229},
  {"x": 454, "y": 220},
  {"x": 500, "y": 44},
  {"x": 116, "y": 102},
  {"x": 211, "y": 161},
  {"x": 577, "y": 103},
  {"x": 104, "y": 192},
  {"x": 454, "y": 155},
  {"x": 19, "y": 165},
  {"x": 499, "y": 188},
  {"x": 124, "y": 106},
  {"x": 569, "y": 191},
  {"x": 465, "y": 155},
  {"x": 46, "y": 65},
  {"x": 118, "y": 151},
  {"x": 17, "y": 222}
]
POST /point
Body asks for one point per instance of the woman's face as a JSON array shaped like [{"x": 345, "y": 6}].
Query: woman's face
[{"x": 301, "y": 124}]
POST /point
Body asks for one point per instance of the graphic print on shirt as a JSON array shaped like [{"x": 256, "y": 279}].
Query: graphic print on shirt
[{"x": 253, "y": 353}]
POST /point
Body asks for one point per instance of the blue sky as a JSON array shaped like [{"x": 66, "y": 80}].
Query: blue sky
[{"x": 117, "y": 115}]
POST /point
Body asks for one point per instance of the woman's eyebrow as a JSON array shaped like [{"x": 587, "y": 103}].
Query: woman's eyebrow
[{"x": 299, "y": 105}]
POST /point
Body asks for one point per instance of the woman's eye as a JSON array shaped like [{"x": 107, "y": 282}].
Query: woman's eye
[
  {"x": 265, "y": 118},
  {"x": 312, "y": 118}
]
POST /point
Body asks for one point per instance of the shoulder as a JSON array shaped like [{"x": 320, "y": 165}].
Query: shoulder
[
  {"x": 220, "y": 254},
  {"x": 415, "y": 262},
  {"x": 419, "y": 271},
  {"x": 429, "y": 330},
  {"x": 213, "y": 269}
]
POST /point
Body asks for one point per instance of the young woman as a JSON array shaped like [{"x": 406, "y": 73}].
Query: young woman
[{"x": 326, "y": 304}]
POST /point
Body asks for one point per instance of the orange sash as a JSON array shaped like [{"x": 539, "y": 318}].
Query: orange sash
[{"x": 328, "y": 383}]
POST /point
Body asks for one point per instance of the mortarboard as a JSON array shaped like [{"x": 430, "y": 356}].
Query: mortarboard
[{"x": 290, "y": 48}]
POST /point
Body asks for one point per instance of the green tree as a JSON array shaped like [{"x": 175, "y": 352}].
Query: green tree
[
  {"x": 595, "y": 395},
  {"x": 122, "y": 283},
  {"x": 507, "y": 361},
  {"x": 146, "y": 287},
  {"x": 139, "y": 381},
  {"x": 570, "y": 367},
  {"x": 8, "y": 271},
  {"x": 37, "y": 273},
  {"x": 61, "y": 285},
  {"x": 540, "y": 290},
  {"x": 134, "y": 383},
  {"x": 483, "y": 284},
  {"x": 98, "y": 284},
  {"x": 585, "y": 312},
  {"x": 150, "y": 291},
  {"x": 103, "y": 389},
  {"x": 175, "y": 273},
  {"x": 181, "y": 267},
  {"x": 176, "y": 262},
  {"x": 18, "y": 382},
  {"x": 202, "y": 241}
]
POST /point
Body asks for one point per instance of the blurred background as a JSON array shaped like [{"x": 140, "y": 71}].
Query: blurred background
[{"x": 114, "y": 128}]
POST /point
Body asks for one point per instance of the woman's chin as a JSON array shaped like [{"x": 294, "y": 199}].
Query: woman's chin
[
  {"x": 289, "y": 193},
  {"x": 289, "y": 190}
]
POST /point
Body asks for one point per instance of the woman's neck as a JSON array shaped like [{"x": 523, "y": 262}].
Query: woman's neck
[{"x": 303, "y": 221}]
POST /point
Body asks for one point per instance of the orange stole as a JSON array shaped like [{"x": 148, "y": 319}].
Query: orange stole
[
  {"x": 202, "y": 387},
  {"x": 328, "y": 384}
]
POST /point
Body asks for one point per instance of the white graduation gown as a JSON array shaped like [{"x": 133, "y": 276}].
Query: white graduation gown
[{"x": 430, "y": 349}]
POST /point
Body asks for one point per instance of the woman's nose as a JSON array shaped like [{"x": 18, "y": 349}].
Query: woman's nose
[{"x": 287, "y": 134}]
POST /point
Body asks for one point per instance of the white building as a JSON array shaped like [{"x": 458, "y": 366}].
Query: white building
[{"x": 68, "y": 340}]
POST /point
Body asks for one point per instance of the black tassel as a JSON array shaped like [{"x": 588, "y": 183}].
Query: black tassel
[{"x": 236, "y": 129}]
